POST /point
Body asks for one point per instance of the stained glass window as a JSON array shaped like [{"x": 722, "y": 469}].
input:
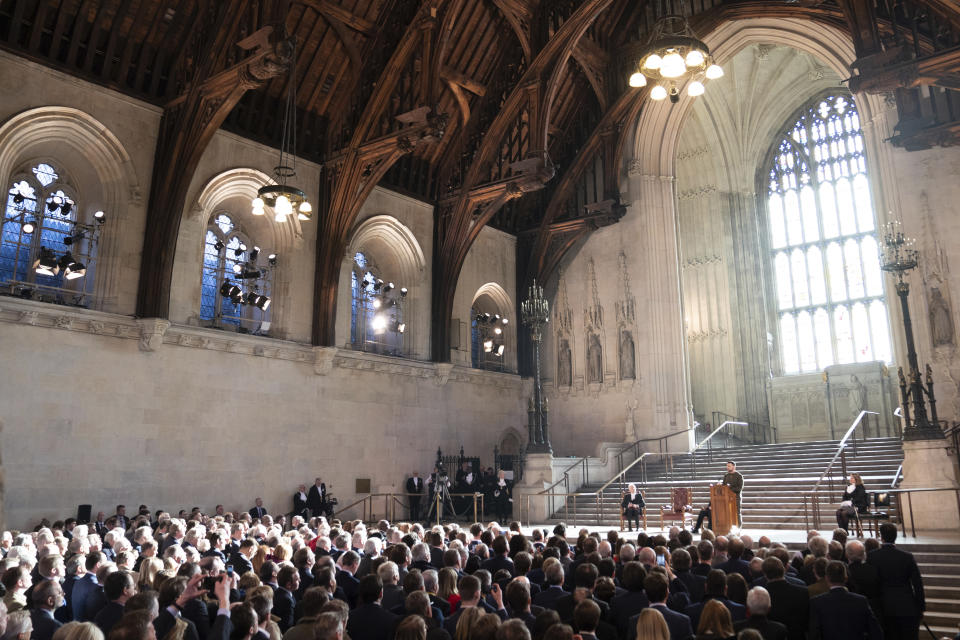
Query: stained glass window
[
  {"x": 822, "y": 234},
  {"x": 227, "y": 254}
]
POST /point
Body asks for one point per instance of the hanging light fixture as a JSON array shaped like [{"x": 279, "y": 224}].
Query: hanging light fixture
[
  {"x": 285, "y": 198},
  {"x": 674, "y": 56}
]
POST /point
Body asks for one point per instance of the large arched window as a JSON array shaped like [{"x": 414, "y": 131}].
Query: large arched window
[
  {"x": 235, "y": 288},
  {"x": 376, "y": 321},
  {"x": 823, "y": 240},
  {"x": 45, "y": 249}
]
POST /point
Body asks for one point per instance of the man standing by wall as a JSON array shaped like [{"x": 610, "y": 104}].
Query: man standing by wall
[{"x": 415, "y": 489}]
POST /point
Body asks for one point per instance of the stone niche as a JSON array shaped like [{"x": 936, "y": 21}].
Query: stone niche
[{"x": 822, "y": 406}]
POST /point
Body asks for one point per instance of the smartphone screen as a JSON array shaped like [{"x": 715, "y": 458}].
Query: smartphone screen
[
  {"x": 662, "y": 561},
  {"x": 230, "y": 570}
]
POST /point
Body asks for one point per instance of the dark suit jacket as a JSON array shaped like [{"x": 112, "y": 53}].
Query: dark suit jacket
[
  {"x": 549, "y": 596},
  {"x": 737, "y": 611},
  {"x": 299, "y": 504},
  {"x": 316, "y": 498},
  {"x": 108, "y": 616},
  {"x": 241, "y": 564},
  {"x": 393, "y": 596},
  {"x": 257, "y": 512},
  {"x": 901, "y": 588},
  {"x": 165, "y": 622},
  {"x": 496, "y": 563},
  {"x": 196, "y": 611},
  {"x": 790, "y": 605},
  {"x": 371, "y": 622},
  {"x": 736, "y": 565},
  {"x": 83, "y": 589},
  {"x": 865, "y": 580},
  {"x": 567, "y": 604},
  {"x": 350, "y": 586},
  {"x": 440, "y": 604},
  {"x": 44, "y": 624},
  {"x": 624, "y": 607},
  {"x": 841, "y": 615},
  {"x": 701, "y": 569},
  {"x": 678, "y": 623},
  {"x": 284, "y": 605},
  {"x": 769, "y": 629},
  {"x": 415, "y": 486},
  {"x": 691, "y": 583}
]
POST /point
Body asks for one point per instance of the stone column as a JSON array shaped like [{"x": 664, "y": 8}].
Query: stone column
[
  {"x": 537, "y": 476},
  {"x": 658, "y": 252},
  {"x": 927, "y": 464}
]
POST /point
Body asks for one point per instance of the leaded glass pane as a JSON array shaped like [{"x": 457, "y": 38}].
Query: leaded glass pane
[
  {"x": 45, "y": 174},
  {"x": 823, "y": 241}
]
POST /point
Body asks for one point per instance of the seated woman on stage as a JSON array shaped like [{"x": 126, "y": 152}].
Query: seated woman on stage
[
  {"x": 853, "y": 500},
  {"x": 632, "y": 504}
]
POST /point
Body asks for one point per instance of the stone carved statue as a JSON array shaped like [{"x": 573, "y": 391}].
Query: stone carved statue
[
  {"x": 630, "y": 427},
  {"x": 628, "y": 370},
  {"x": 857, "y": 397},
  {"x": 564, "y": 364},
  {"x": 594, "y": 359},
  {"x": 941, "y": 322}
]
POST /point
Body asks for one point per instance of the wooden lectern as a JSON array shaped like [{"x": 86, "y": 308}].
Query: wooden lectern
[{"x": 723, "y": 507}]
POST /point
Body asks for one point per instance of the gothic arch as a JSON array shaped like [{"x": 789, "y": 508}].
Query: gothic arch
[
  {"x": 393, "y": 245},
  {"x": 33, "y": 131}
]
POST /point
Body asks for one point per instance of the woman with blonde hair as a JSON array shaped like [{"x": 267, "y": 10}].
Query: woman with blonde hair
[
  {"x": 78, "y": 631},
  {"x": 447, "y": 587},
  {"x": 283, "y": 552},
  {"x": 652, "y": 626},
  {"x": 468, "y": 620},
  {"x": 715, "y": 622},
  {"x": 149, "y": 569}
]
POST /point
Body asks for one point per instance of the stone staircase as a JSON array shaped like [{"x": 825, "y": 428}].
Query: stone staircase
[{"x": 776, "y": 477}]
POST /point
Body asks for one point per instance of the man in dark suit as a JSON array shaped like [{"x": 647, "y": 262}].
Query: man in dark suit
[
  {"x": 789, "y": 603},
  {"x": 284, "y": 601},
  {"x": 471, "y": 596},
  {"x": 584, "y": 579},
  {"x": 118, "y": 588},
  {"x": 415, "y": 489},
  {"x": 630, "y": 603},
  {"x": 46, "y": 597},
  {"x": 864, "y": 578},
  {"x": 704, "y": 563},
  {"x": 172, "y": 598},
  {"x": 839, "y": 614},
  {"x": 716, "y": 590},
  {"x": 518, "y": 601},
  {"x": 317, "y": 498},
  {"x": 86, "y": 586},
  {"x": 258, "y": 510},
  {"x": 758, "y": 604},
  {"x": 499, "y": 559},
  {"x": 300, "y": 502},
  {"x": 657, "y": 590},
  {"x": 901, "y": 588},
  {"x": 553, "y": 585},
  {"x": 370, "y": 621},
  {"x": 683, "y": 580},
  {"x": 735, "y": 563},
  {"x": 241, "y": 559},
  {"x": 349, "y": 564}
]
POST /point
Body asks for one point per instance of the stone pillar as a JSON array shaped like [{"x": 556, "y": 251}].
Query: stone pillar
[
  {"x": 927, "y": 464},
  {"x": 537, "y": 476}
]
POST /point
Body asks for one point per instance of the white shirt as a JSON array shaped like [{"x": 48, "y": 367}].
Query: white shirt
[{"x": 850, "y": 489}]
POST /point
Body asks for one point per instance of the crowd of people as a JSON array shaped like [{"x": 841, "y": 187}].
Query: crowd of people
[{"x": 250, "y": 576}]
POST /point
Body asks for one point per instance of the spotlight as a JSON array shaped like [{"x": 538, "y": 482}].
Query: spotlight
[
  {"x": 255, "y": 253},
  {"x": 225, "y": 289},
  {"x": 401, "y": 327},
  {"x": 389, "y": 287},
  {"x": 100, "y": 217},
  {"x": 376, "y": 303},
  {"x": 479, "y": 318},
  {"x": 26, "y": 294},
  {"x": 66, "y": 208},
  {"x": 500, "y": 350},
  {"x": 29, "y": 226},
  {"x": 251, "y": 274},
  {"x": 498, "y": 330},
  {"x": 488, "y": 346},
  {"x": 263, "y": 302},
  {"x": 238, "y": 251},
  {"x": 250, "y": 297},
  {"x": 218, "y": 246},
  {"x": 272, "y": 259},
  {"x": 18, "y": 198},
  {"x": 46, "y": 264},
  {"x": 243, "y": 247},
  {"x": 237, "y": 268},
  {"x": 379, "y": 323},
  {"x": 505, "y": 321},
  {"x": 403, "y": 292},
  {"x": 496, "y": 317},
  {"x": 52, "y": 205},
  {"x": 77, "y": 237},
  {"x": 74, "y": 269}
]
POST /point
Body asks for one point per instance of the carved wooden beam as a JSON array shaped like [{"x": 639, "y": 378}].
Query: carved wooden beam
[
  {"x": 353, "y": 172},
  {"x": 918, "y": 139},
  {"x": 186, "y": 128},
  {"x": 459, "y": 221},
  {"x": 518, "y": 15},
  {"x": 343, "y": 16},
  {"x": 941, "y": 69},
  {"x": 455, "y": 77}
]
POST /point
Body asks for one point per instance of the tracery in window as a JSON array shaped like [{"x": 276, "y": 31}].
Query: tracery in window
[
  {"x": 822, "y": 226},
  {"x": 236, "y": 282},
  {"x": 376, "y": 312},
  {"x": 46, "y": 250}
]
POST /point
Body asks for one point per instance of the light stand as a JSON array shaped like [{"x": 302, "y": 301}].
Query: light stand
[
  {"x": 535, "y": 312},
  {"x": 899, "y": 258}
]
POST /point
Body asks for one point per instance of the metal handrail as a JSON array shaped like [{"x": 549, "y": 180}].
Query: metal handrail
[
  {"x": 662, "y": 439},
  {"x": 840, "y": 448},
  {"x": 896, "y": 476}
]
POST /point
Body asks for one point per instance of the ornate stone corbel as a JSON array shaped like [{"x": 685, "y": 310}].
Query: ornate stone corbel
[
  {"x": 152, "y": 331},
  {"x": 323, "y": 360},
  {"x": 444, "y": 369}
]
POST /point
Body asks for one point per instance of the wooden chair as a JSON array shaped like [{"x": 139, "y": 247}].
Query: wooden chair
[
  {"x": 643, "y": 513},
  {"x": 679, "y": 510},
  {"x": 881, "y": 511}
]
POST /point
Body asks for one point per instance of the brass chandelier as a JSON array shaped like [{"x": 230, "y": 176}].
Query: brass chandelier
[{"x": 674, "y": 55}]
